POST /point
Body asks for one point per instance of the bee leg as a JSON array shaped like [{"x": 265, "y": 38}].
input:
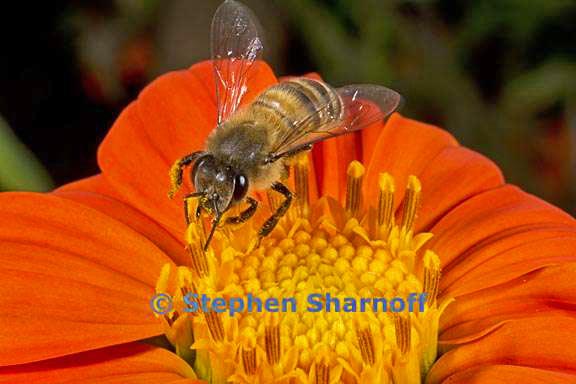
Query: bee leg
[
  {"x": 297, "y": 150},
  {"x": 269, "y": 225},
  {"x": 176, "y": 171},
  {"x": 187, "y": 206},
  {"x": 245, "y": 214},
  {"x": 275, "y": 157}
]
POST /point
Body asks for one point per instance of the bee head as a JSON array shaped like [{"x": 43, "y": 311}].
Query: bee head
[{"x": 220, "y": 184}]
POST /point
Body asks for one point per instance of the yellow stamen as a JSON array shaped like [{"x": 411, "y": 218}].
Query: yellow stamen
[
  {"x": 272, "y": 342},
  {"x": 403, "y": 330},
  {"x": 411, "y": 202},
  {"x": 195, "y": 239},
  {"x": 385, "y": 200},
  {"x": 354, "y": 187},
  {"x": 215, "y": 325},
  {"x": 366, "y": 343},
  {"x": 301, "y": 170},
  {"x": 177, "y": 325},
  {"x": 184, "y": 280},
  {"x": 322, "y": 374},
  {"x": 322, "y": 367},
  {"x": 431, "y": 276},
  {"x": 249, "y": 361}
]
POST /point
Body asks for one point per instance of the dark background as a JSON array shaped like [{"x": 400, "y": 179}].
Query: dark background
[{"x": 499, "y": 74}]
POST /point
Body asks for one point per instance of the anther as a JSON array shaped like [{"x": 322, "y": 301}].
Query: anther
[
  {"x": 301, "y": 171},
  {"x": 402, "y": 329},
  {"x": 431, "y": 276},
  {"x": 186, "y": 285},
  {"x": 272, "y": 343},
  {"x": 354, "y": 187},
  {"x": 366, "y": 343},
  {"x": 249, "y": 360},
  {"x": 184, "y": 280},
  {"x": 411, "y": 202},
  {"x": 215, "y": 325},
  {"x": 322, "y": 373},
  {"x": 195, "y": 239},
  {"x": 385, "y": 199}
]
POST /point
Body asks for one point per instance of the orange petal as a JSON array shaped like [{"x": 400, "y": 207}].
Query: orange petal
[
  {"x": 511, "y": 254},
  {"x": 96, "y": 193},
  {"x": 170, "y": 119},
  {"x": 454, "y": 175},
  {"x": 545, "y": 342},
  {"x": 94, "y": 184},
  {"x": 550, "y": 291},
  {"x": 135, "y": 363},
  {"x": 404, "y": 147},
  {"x": 369, "y": 140},
  {"x": 336, "y": 155},
  {"x": 506, "y": 374},
  {"x": 74, "y": 279},
  {"x": 485, "y": 218}
]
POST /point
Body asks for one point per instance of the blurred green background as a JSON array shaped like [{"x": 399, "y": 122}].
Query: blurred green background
[{"x": 499, "y": 74}]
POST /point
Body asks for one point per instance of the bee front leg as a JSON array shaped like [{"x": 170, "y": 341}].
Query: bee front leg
[
  {"x": 269, "y": 224},
  {"x": 245, "y": 214},
  {"x": 176, "y": 171}
]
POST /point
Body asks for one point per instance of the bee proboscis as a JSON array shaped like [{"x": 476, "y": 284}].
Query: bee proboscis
[{"x": 248, "y": 148}]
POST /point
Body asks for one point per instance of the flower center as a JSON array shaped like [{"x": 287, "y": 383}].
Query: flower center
[{"x": 334, "y": 294}]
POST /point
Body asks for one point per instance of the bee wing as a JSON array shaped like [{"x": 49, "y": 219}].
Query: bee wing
[
  {"x": 235, "y": 44},
  {"x": 364, "y": 104}
]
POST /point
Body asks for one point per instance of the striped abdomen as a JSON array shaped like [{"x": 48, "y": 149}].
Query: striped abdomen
[{"x": 299, "y": 104}]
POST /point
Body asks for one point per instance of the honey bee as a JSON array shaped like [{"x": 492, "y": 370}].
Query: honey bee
[{"x": 249, "y": 146}]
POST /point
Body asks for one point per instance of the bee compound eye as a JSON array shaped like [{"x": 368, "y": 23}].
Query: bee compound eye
[
  {"x": 203, "y": 171},
  {"x": 240, "y": 187}
]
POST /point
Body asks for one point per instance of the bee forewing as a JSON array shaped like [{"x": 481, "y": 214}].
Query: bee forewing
[
  {"x": 236, "y": 44},
  {"x": 363, "y": 105}
]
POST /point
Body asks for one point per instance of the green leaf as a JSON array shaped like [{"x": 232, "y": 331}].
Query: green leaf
[{"x": 19, "y": 168}]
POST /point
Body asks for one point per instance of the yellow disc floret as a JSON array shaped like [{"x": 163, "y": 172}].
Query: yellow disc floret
[{"x": 332, "y": 295}]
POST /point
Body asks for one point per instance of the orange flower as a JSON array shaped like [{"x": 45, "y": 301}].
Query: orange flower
[{"x": 80, "y": 265}]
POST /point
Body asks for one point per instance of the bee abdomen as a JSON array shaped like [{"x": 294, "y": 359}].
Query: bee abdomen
[{"x": 299, "y": 102}]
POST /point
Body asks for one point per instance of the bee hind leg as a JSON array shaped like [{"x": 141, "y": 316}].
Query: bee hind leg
[
  {"x": 269, "y": 224},
  {"x": 245, "y": 214}
]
